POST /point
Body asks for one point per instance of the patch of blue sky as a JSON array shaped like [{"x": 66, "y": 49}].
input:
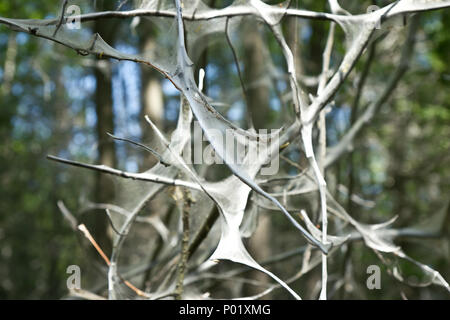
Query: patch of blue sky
[
  {"x": 306, "y": 31},
  {"x": 27, "y": 108},
  {"x": 127, "y": 103},
  {"x": 23, "y": 68},
  {"x": 172, "y": 109},
  {"x": 126, "y": 94},
  {"x": 3, "y": 38},
  {"x": 43, "y": 130},
  {"x": 22, "y": 38},
  {"x": 76, "y": 107},
  {"x": 79, "y": 86},
  {"x": 90, "y": 115},
  {"x": 130, "y": 72},
  {"x": 214, "y": 91},
  {"x": 281, "y": 85},
  {"x": 339, "y": 117},
  {"x": 274, "y": 102},
  {"x": 120, "y": 112},
  {"x": 17, "y": 89},
  {"x": 234, "y": 68},
  {"x": 82, "y": 143},
  {"x": 79, "y": 138},
  {"x": 212, "y": 71},
  {"x": 39, "y": 90},
  {"x": 131, "y": 164},
  {"x": 236, "y": 112},
  {"x": 21, "y": 127},
  {"x": 343, "y": 117},
  {"x": 169, "y": 89},
  {"x": 74, "y": 149}
]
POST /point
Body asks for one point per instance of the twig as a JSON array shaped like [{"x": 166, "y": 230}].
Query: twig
[
  {"x": 160, "y": 241},
  {"x": 84, "y": 294},
  {"x": 68, "y": 215},
  {"x": 108, "y": 214},
  {"x": 121, "y": 4},
  {"x": 353, "y": 117},
  {"x": 91, "y": 239},
  {"x": 322, "y": 150},
  {"x": 336, "y": 151},
  {"x": 184, "y": 255},
  {"x": 153, "y": 221},
  {"x": 405, "y": 233},
  {"x": 150, "y": 177},
  {"x": 153, "y": 152},
  {"x": 236, "y": 62},
  {"x": 61, "y": 19},
  {"x": 249, "y": 11}
]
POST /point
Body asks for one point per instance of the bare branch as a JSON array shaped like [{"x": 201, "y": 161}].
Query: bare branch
[
  {"x": 150, "y": 177},
  {"x": 153, "y": 152}
]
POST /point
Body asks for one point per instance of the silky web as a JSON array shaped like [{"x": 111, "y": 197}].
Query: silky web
[{"x": 183, "y": 29}]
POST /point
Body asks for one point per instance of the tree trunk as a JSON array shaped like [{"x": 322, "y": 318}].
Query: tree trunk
[
  {"x": 152, "y": 100},
  {"x": 104, "y": 188},
  {"x": 254, "y": 71},
  {"x": 258, "y": 103}
]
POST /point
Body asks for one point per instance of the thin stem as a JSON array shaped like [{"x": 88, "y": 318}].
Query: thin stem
[
  {"x": 184, "y": 255},
  {"x": 94, "y": 243},
  {"x": 236, "y": 62},
  {"x": 153, "y": 152},
  {"x": 61, "y": 19},
  {"x": 150, "y": 177},
  {"x": 323, "y": 148},
  {"x": 408, "y": 49}
]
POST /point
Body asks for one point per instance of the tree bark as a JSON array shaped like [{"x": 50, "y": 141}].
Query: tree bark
[
  {"x": 152, "y": 99},
  {"x": 258, "y": 97},
  {"x": 104, "y": 188},
  {"x": 254, "y": 71}
]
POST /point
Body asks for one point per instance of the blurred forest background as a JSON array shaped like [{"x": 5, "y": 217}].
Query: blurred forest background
[{"x": 54, "y": 101}]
